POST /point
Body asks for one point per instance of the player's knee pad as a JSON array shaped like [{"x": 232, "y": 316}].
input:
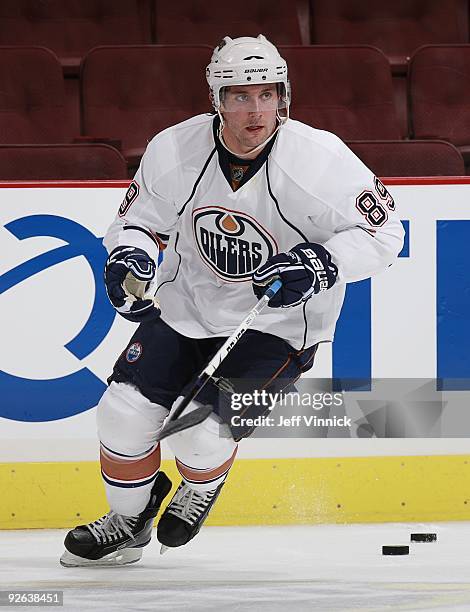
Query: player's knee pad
[
  {"x": 204, "y": 447},
  {"x": 128, "y": 422}
]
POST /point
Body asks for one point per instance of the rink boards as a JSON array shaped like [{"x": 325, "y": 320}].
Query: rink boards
[{"x": 60, "y": 338}]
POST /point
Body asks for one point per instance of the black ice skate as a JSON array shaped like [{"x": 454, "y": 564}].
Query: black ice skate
[
  {"x": 115, "y": 539},
  {"x": 184, "y": 516}
]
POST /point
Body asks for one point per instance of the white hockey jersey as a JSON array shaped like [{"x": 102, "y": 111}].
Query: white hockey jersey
[{"x": 311, "y": 188}]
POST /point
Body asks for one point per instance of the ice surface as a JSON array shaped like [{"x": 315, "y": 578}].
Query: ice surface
[{"x": 321, "y": 568}]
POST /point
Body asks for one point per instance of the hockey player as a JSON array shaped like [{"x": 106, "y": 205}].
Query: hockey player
[{"x": 235, "y": 198}]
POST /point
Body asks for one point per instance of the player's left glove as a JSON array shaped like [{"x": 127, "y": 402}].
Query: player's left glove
[
  {"x": 304, "y": 270},
  {"x": 127, "y": 276}
]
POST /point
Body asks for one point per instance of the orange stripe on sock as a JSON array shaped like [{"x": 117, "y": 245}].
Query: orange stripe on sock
[
  {"x": 133, "y": 469},
  {"x": 196, "y": 475}
]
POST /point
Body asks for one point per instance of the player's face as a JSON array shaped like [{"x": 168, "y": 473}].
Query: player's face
[{"x": 249, "y": 113}]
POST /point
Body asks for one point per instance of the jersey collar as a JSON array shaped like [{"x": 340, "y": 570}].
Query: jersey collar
[{"x": 226, "y": 158}]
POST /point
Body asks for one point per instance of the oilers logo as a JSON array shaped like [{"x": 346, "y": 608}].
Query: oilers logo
[
  {"x": 134, "y": 352},
  {"x": 232, "y": 244}
]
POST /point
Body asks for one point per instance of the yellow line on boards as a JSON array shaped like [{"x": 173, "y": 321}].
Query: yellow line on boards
[{"x": 260, "y": 491}]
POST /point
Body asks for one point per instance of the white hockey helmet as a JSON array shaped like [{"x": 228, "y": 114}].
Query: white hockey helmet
[{"x": 247, "y": 61}]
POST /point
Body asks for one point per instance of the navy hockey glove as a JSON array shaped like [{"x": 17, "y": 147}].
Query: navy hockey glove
[
  {"x": 304, "y": 270},
  {"x": 127, "y": 277}
]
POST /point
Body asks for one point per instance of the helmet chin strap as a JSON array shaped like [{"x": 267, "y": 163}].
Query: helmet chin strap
[{"x": 280, "y": 122}]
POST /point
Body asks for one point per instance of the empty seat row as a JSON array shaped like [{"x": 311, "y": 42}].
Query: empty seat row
[
  {"x": 410, "y": 157},
  {"x": 397, "y": 27},
  {"x": 72, "y": 27},
  {"x": 346, "y": 90},
  {"x": 61, "y": 162},
  {"x": 102, "y": 162}
]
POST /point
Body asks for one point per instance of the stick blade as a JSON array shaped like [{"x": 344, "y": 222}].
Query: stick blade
[{"x": 185, "y": 422}]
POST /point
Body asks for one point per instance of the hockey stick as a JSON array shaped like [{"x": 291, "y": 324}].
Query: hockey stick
[{"x": 177, "y": 422}]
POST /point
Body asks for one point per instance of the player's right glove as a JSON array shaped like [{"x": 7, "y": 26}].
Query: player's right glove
[
  {"x": 304, "y": 270},
  {"x": 127, "y": 276}
]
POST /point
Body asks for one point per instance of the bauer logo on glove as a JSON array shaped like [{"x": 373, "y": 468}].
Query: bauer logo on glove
[{"x": 304, "y": 271}]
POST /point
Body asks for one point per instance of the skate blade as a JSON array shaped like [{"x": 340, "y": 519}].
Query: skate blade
[
  {"x": 163, "y": 549},
  {"x": 119, "y": 557}
]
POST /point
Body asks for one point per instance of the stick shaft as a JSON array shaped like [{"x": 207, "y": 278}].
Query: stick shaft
[{"x": 225, "y": 349}]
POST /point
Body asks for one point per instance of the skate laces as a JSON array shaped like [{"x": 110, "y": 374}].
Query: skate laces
[
  {"x": 112, "y": 526},
  {"x": 189, "y": 504}
]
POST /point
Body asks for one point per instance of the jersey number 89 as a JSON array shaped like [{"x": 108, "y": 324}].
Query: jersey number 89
[{"x": 373, "y": 204}]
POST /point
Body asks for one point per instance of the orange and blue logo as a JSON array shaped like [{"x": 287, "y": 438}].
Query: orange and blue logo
[{"x": 231, "y": 243}]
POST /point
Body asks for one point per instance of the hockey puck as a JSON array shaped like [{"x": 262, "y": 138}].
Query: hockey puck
[
  {"x": 424, "y": 537},
  {"x": 395, "y": 550}
]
